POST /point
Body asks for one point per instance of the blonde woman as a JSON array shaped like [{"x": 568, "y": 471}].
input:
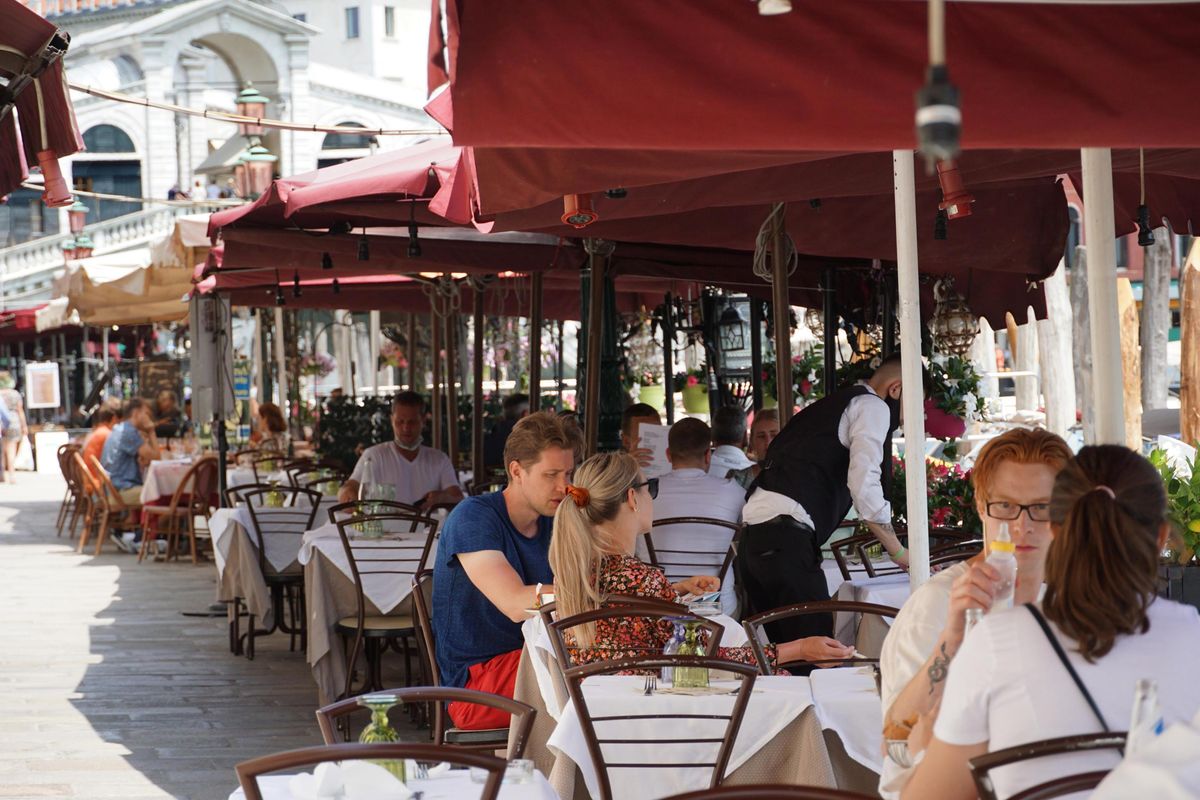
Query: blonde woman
[{"x": 591, "y": 553}]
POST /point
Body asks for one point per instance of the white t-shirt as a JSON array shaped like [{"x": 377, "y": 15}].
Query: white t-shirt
[
  {"x": 430, "y": 471},
  {"x": 725, "y": 458},
  {"x": 1007, "y": 687},
  {"x": 694, "y": 493}
]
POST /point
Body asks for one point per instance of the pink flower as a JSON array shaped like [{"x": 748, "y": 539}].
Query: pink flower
[
  {"x": 692, "y": 380},
  {"x": 805, "y": 387}
]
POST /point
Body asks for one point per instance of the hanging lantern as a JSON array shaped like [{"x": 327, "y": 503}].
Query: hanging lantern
[
  {"x": 84, "y": 246},
  {"x": 577, "y": 210},
  {"x": 55, "y": 194},
  {"x": 68, "y": 250},
  {"x": 732, "y": 329},
  {"x": 251, "y": 103},
  {"x": 260, "y": 166},
  {"x": 956, "y": 201},
  {"x": 953, "y": 326},
  {"x": 814, "y": 319},
  {"x": 77, "y": 216}
]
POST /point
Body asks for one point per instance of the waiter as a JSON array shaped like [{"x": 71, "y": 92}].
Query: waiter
[{"x": 827, "y": 457}]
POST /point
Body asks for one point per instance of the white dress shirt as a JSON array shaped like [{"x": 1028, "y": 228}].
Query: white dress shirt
[
  {"x": 727, "y": 457},
  {"x": 863, "y": 429},
  {"x": 430, "y": 471},
  {"x": 691, "y": 492}
]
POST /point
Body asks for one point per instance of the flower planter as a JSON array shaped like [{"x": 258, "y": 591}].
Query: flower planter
[
  {"x": 1180, "y": 583},
  {"x": 695, "y": 399},
  {"x": 941, "y": 425},
  {"x": 655, "y": 396}
]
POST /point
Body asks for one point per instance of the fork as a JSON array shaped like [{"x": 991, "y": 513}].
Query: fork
[{"x": 651, "y": 685}]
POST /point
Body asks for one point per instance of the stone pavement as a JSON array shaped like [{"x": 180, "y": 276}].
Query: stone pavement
[{"x": 108, "y": 691}]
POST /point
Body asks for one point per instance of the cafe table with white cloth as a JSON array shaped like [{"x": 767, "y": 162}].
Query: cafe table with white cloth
[
  {"x": 163, "y": 477},
  {"x": 329, "y": 596},
  {"x": 785, "y": 737},
  {"x": 235, "y": 552},
  {"x": 453, "y": 785}
]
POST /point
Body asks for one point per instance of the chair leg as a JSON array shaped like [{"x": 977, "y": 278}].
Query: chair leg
[
  {"x": 351, "y": 660},
  {"x": 102, "y": 534},
  {"x": 85, "y": 534},
  {"x": 408, "y": 676},
  {"x": 235, "y": 625},
  {"x": 191, "y": 531}
]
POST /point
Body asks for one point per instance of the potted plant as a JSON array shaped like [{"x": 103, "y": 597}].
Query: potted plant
[
  {"x": 651, "y": 391},
  {"x": 807, "y": 382},
  {"x": 1179, "y": 572},
  {"x": 951, "y": 497},
  {"x": 953, "y": 398},
  {"x": 691, "y": 384},
  {"x": 317, "y": 364}
]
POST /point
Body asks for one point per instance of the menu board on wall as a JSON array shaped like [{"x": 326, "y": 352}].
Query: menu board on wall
[
  {"x": 154, "y": 376},
  {"x": 42, "y": 385}
]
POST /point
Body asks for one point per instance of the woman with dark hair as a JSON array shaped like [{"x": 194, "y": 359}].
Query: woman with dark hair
[
  {"x": 272, "y": 428},
  {"x": 1009, "y": 684}
]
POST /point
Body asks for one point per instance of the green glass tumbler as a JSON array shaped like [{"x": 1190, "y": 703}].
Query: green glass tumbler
[
  {"x": 380, "y": 730},
  {"x": 691, "y": 677}
]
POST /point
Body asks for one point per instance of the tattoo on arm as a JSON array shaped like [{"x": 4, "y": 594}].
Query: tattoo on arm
[
  {"x": 886, "y": 528},
  {"x": 938, "y": 669}
]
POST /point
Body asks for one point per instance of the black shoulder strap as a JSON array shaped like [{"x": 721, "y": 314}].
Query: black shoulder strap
[{"x": 1062, "y": 656}]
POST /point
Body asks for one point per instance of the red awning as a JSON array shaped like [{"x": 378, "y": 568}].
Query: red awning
[
  {"x": 31, "y": 50},
  {"x": 829, "y": 76}
]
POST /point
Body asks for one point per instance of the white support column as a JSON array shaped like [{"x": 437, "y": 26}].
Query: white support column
[
  {"x": 376, "y": 334},
  {"x": 983, "y": 356},
  {"x": 342, "y": 346},
  {"x": 281, "y": 382},
  {"x": 1055, "y": 348},
  {"x": 904, "y": 188},
  {"x": 258, "y": 370},
  {"x": 1099, "y": 233}
]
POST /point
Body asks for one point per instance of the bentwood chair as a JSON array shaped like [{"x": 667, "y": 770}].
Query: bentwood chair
[
  {"x": 251, "y": 773},
  {"x": 754, "y": 628},
  {"x": 286, "y": 525},
  {"x": 91, "y": 505},
  {"x": 108, "y": 511},
  {"x": 360, "y": 508},
  {"x": 192, "y": 498},
  {"x": 332, "y": 717},
  {"x": 488, "y": 740},
  {"x": 771, "y": 791},
  {"x": 487, "y": 486},
  {"x": 71, "y": 497},
  {"x": 399, "y": 551},
  {"x": 654, "y": 728},
  {"x": 674, "y": 544},
  {"x": 981, "y": 766}
]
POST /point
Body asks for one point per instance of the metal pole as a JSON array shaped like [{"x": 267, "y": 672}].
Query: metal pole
[
  {"x": 104, "y": 347},
  {"x": 591, "y": 406},
  {"x": 756, "y": 364},
  {"x": 781, "y": 309},
  {"x": 436, "y": 361},
  {"x": 376, "y": 334},
  {"x": 477, "y": 465},
  {"x": 558, "y": 367},
  {"x": 411, "y": 347},
  {"x": 281, "y": 378},
  {"x": 451, "y": 423},
  {"x": 1108, "y": 379},
  {"x": 535, "y": 343},
  {"x": 829, "y": 313},
  {"x": 668, "y": 329},
  {"x": 910, "y": 353}
]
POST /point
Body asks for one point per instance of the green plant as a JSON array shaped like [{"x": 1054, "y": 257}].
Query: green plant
[
  {"x": 346, "y": 424},
  {"x": 951, "y": 496},
  {"x": 690, "y": 377},
  {"x": 807, "y": 374},
  {"x": 954, "y": 387},
  {"x": 1183, "y": 502}
]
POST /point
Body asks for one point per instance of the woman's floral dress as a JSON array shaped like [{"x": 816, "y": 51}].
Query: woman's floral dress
[{"x": 624, "y": 637}]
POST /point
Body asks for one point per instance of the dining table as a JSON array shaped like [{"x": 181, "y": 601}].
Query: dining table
[
  {"x": 453, "y": 785},
  {"x": 163, "y": 477},
  {"x": 786, "y": 736}
]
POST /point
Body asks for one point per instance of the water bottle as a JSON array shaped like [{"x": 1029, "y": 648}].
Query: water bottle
[
  {"x": 1002, "y": 558},
  {"x": 971, "y": 618},
  {"x": 671, "y": 648},
  {"x": 367, "y": 485},
  {"x": 1146, "y": 720}
]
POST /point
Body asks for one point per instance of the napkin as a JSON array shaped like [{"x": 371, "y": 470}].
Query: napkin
[
  {"x": 1166, "y": 768},
  {"x": 351, "y": 780}
]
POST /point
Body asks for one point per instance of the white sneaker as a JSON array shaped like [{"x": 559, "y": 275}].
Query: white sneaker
[{"x": 125, "y": 541}]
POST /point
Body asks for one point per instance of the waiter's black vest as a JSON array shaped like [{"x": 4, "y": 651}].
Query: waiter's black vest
[{"x": 808, "y": 463}]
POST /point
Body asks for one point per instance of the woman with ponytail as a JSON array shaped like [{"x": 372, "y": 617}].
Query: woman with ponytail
[
  {"x": 1069, "y": 667},
  {"x": 592, "y": 554}
]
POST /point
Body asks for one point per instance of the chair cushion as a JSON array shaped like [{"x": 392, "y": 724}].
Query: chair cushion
[
  {"x": 489, "y": 736},
  {"x": 376, "y": 625}
]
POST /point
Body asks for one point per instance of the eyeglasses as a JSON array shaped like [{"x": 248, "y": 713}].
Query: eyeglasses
[
  {"x": 651, "y": 485},
  {"x": 1038, "y": 512}
]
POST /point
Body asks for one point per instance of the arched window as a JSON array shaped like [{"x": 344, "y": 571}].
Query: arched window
[
  {"x": 347, "y": 141},
  {"x": 107, "y": 139}
]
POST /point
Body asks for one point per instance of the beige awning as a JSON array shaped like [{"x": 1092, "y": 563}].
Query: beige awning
[{"x": 125, "y": 289}]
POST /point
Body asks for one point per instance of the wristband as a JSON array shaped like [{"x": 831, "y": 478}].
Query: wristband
[{"x": 898, "y": 553}]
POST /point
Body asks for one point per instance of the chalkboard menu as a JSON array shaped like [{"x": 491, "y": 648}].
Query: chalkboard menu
[{"x": 154, "y": 376}]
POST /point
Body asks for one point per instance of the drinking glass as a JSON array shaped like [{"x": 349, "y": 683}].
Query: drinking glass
[
  {"x": 380, "y": 730},
  {"x": 691, "y": 677}
]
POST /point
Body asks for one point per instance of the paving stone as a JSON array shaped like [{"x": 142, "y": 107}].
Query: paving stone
[{"x": 108, "y": 691}]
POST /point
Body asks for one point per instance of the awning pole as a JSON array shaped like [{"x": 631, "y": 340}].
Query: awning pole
[
  {"x": 1107, "y": 377},
  {"x": 435, "y": 356},
  {"x": 477, "y": 465},
  {"x": 535, "y": 343},
  {"x": 410, "y": 350},
  {"x": 104, "y": 347},
  {"x": 595, "y": 335},
  {"x": 450, "y": 320},
  {"x": 668, "y": 331},
  {"x": 281, "y": 382},
  {"x": 376, "y": 335},
  {"x": 909, "y": 286},
  {"x": 781, "y": 313},
  {"x": 756, "y": 365}
]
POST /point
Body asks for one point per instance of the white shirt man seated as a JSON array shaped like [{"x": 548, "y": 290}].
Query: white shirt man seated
[
  {"x": 729, "y": 440},
  {"x": 421, "y": 475},
  {"x": 689, "y": 491}
]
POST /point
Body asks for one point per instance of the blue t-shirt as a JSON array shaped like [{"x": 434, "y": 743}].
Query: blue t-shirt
[
  {"x": 119, "y": 456},
  {"x": 468, "y": 629}
]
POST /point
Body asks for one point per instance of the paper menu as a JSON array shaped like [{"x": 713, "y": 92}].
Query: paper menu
[{"x": 654, "y": 439}]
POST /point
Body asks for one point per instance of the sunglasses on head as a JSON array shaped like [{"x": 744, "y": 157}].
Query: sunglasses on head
[{"x": 651, "y": 485}]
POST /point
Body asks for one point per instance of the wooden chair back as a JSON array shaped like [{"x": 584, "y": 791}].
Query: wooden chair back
[
  {"x": 674, "y": 550},
  {"x": 941, "y": 541},
  {"x": 954, "y": 553},
  {"x": 844, "y": 549},
  {"x": 265, "y": 462},
  {"x": 401, "y": 550},
  {"x": 249, "y": 772},
  {"x": 753, "y": 627},
  {"x": 310, "y": 480},
  {"x": 666, "y": 722},
  {"x": 487, "y": 487},
  {"x": 205, "y": 477},
  {"x": 108, "y": 493},
  {"x": 522, "y": 722},
  {"x": 237, "y": 494},
  {"x": 772, "y": 791},
  {"x": 294, "y": 519},
  {"x": 360, "y": 508},
  {"x": 981, "y": 766},
  {"x": 616, "y": 607}
]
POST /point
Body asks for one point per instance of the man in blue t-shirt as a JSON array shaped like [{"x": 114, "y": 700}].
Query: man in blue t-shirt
[
  {"x": 129, "y": 448},
  {"x": 492, "y": 563}
]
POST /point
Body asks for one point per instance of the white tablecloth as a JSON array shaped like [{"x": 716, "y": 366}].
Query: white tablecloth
[
  {"x": 775, "y": 702},
  {"x": 833, "y": 575},
  {"x": 386, "y": 591},
  {"x": 162, "y": 478},
  {"x": 282, "y": 549},
  {"x": 886, "y": 590},
  {"x": 848, "y": 704},
  {"x": 454, "y": 785}
]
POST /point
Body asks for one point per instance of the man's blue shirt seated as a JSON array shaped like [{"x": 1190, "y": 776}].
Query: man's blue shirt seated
[{"x": 120, "y": 456}]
